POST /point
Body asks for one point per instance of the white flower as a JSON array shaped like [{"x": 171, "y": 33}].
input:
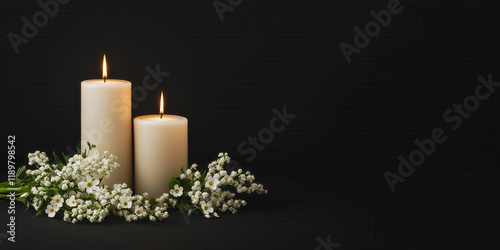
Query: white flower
[
  {"x": 24, "y": 195},
  {"x": 71, "y": 201},
  {"x": 139, "y": 211},
  {"x": 99, "y": 190},
  {"x": 90, "y": 185},
  {"x": 207, "y": 207},
  {"x": 57, "y": 201},
  {"x": 177, "y": 191},
  {"x": 212, "y": 183},
  {"x": 51, "y": 210},
  {"x": 125, "y": 201}
]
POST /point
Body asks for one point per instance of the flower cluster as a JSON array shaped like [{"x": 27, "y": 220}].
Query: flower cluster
[
  {"x": 69, "y": 187},
  {"x": 209, "y": 191},
  {"x": 133, "y": 207},
  {"x": 74, "y": 188}
]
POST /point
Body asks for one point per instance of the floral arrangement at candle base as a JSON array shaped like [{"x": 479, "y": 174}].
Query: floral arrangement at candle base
[{"x": 71, "y": 186}]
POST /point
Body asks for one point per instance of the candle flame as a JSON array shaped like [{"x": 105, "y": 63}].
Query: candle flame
[
  {"x": 161, "y": 103},
  {"x": 104, "y": 68}
]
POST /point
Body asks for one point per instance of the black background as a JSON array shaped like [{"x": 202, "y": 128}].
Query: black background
[{"x": 325, "y": 171}]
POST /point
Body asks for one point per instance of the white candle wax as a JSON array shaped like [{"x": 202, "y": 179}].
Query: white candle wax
[
  {"x": 106, "y": 121},
  {"x": 161, "y": 149}
]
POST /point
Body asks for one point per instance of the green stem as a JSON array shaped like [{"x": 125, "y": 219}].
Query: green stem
[
  {"x": 11, "y": 189},
  {"x": 8, "y": 196},
  {"x": 7, "y": 184},
  {"x": 88, "y": 197}
]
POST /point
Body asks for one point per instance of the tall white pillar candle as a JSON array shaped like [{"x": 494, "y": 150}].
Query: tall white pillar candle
[
  {"x": 161, "y": 149},
  {"x": 106, "y": 121}
]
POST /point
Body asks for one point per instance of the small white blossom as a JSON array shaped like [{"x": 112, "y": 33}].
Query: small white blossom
[
  {"x": 90, "y": 185},
  {"x": 206, "y": 207},
  {"x": 125, "y": 202},
  {"x": 212, "y": 183},
  {"x": 51, "y": 210},
  {"x": 177, "y": 191},
  {"x": 197, "y": 174},
  {"x": 139, "y": 211},
  {"x": 71, "y": 201},
  {"x": 57, "y": 201}
]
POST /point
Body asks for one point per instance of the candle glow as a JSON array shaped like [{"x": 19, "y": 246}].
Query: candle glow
[
  {"x": 104, "y": 68},
  {"x": 161, "y": 103}
]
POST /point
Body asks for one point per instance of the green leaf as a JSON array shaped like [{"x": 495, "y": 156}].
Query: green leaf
[
  {"x": 174, "y": 181},
  {"x": 38, "y": 213},
  {"x": 65, "y": 158},
  {"x": 58, "y": 161},
  {"x": 41, "y": 208},
  {"x": 21, "y": 173},
  {"x": 90, "y": 147},
  {"x": 182, "y": 170},
  {"x": 59, "y": 182},
  {"x": 203, "y": 175},
  {"x": 152, "y": 201},
  {"x": 78, "y": 151}
]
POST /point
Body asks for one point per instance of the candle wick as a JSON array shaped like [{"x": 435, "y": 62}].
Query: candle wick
[
  {"x": 161, "y": 116},
  {"x": 105, "y": 79}
]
